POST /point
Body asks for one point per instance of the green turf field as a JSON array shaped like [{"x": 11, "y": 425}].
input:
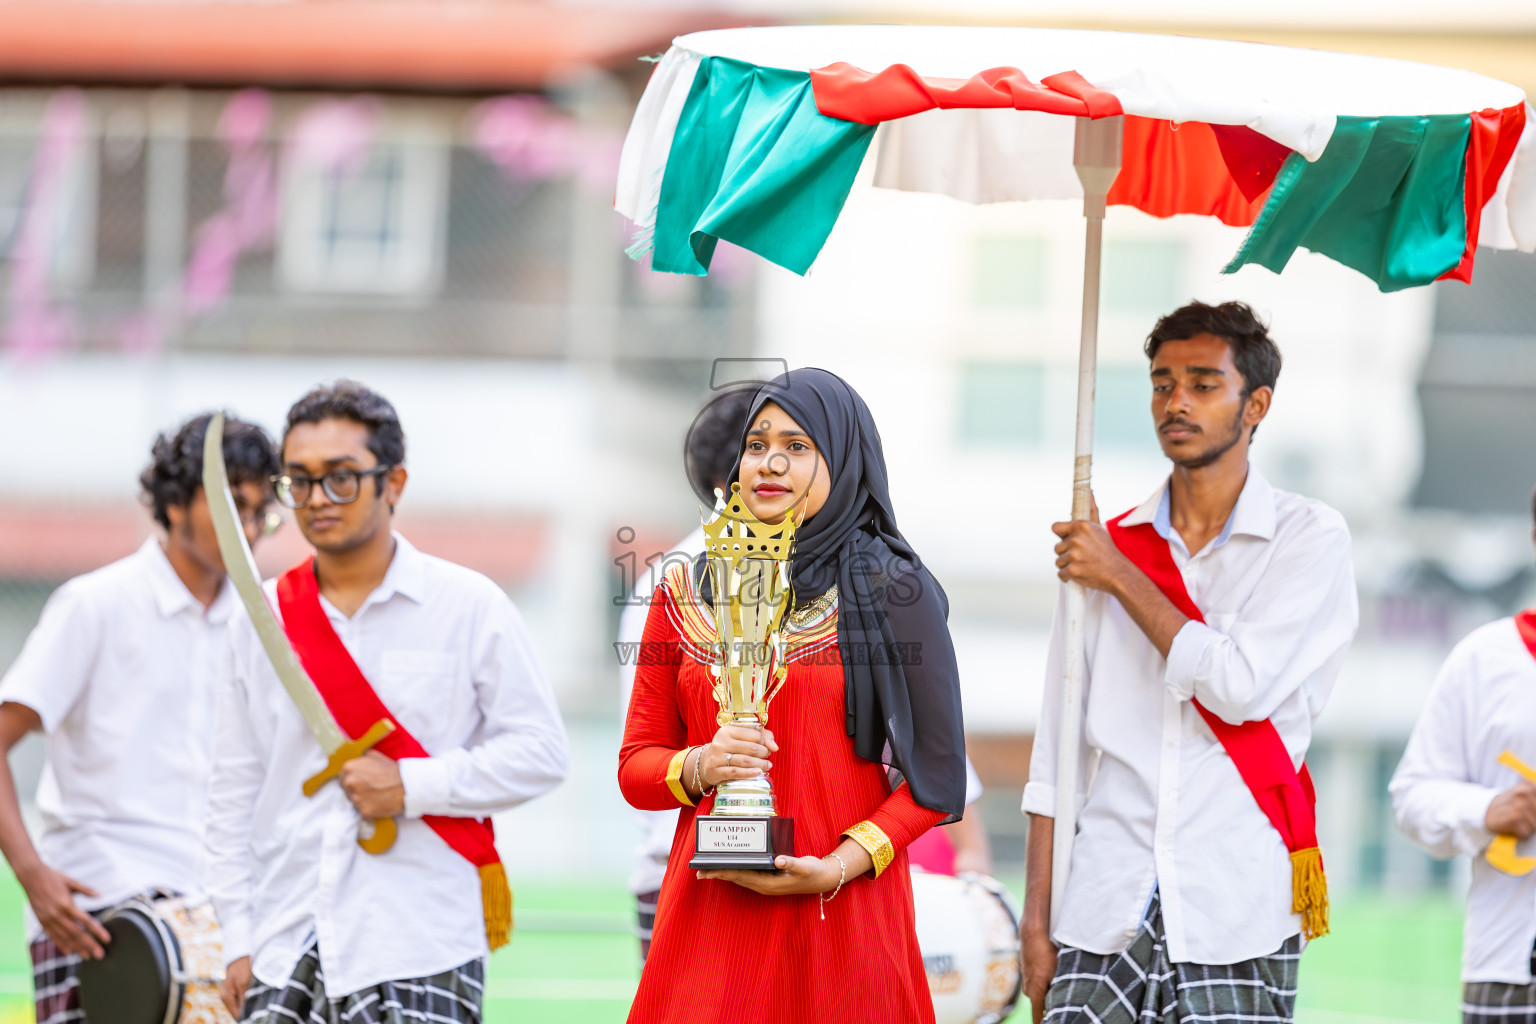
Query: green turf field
[{"x": 573, "y": 960}]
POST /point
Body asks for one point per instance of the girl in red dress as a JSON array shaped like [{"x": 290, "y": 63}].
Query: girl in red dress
[{"x": 866, "y": 749}]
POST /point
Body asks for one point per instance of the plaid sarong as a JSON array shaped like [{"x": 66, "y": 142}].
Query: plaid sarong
[
  {"x": 55, "y": 984},
  {"x": 1487, "y": 1002},
  {"x": 453, "y": 996},
  {"x": 1497, "y": 1002},
  {"x": 1141, "y": 986}
]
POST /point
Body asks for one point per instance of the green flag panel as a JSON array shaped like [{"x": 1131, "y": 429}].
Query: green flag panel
[
  {"x": 1386, "y": 198},
  {"x": 754, "y": 162}
]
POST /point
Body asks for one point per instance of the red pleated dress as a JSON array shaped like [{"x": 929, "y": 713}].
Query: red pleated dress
[{"x": 720, "y": 952}]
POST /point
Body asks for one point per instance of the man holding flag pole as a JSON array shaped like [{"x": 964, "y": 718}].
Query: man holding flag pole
[
  {"x": 410, "y": 683},
  {"x": 1217, "y": 619}
]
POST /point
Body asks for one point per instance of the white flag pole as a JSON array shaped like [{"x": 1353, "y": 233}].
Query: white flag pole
[{"x": 1096, "y": 156}]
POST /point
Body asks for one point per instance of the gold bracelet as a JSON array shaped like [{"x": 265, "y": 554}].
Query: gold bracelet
[{"x": 841, "y": 876}]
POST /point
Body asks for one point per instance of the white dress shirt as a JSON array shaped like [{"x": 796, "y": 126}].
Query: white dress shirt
[
  {"x": 447, "y": 652},
  {"x": 1482, "y": 704},
  {"x": 122, "y": 670},
  {"x": 1163, "y": 803}
]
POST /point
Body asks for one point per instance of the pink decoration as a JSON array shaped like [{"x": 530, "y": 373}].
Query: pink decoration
[
  {"x": 36, "y": 325},
  {"x": 249, "y": 217},
  {"x": 335, "y": 135},
  {"x": 532, "y": 141}
]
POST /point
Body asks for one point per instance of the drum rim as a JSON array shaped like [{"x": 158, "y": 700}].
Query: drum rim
[
  {"x": 1000, "y": 892},
  {"x": 146, "y": 909}
]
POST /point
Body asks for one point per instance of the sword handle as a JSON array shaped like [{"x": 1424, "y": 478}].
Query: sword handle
[
  {"x": 383, "y": 837},
  {"x": 346, "y": 752},
  {"x": 384, "y": 830},
  {"x": 1509, "y": 760},
  {"x": 1501, "y": 852}
]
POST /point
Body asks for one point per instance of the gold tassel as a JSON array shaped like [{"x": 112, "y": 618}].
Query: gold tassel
[
  {"x": 1309, "y": 892},
  {"x": 496, "y": 896}
]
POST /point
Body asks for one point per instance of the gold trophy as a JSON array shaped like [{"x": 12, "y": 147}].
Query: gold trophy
[{"x": 748, "y": 562}]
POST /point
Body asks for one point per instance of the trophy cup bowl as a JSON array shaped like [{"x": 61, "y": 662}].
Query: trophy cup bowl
[{"x": 748, "y": 563}]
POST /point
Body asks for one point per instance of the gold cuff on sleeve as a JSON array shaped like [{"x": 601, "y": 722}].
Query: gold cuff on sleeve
[
  {"x": 873, "y": 838},
  {"x": 675, "y": 776}
]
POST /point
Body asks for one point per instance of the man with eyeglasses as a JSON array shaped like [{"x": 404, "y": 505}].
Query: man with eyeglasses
[
  {"x": 120, "y": 674},
  {"x": 316, "y": 927}
]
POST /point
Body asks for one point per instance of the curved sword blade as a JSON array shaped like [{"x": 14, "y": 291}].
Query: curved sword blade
[{"x": 243, "y": 574}]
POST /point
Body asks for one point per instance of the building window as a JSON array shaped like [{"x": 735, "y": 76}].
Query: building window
[
  {"x": 1143, "y": 276},
  {"x": 376, "y": 229},
  {"x": 1010, "y": 273},
  {"x": 1000, "y": 403}
]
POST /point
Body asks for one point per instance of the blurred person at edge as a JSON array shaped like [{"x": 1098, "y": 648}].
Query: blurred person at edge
[
  {"x": 1452, "y": 796},
  {"x": 315, "y": 928},
  {"x": 1219, "y": 602},
  {"x": 120, "y": 675},
  {"x": 713, "y": 445}
]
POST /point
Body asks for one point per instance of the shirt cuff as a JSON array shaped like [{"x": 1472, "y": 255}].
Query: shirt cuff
[
  {"x": 675, "y": 776},
  {"x": 234, "y": 937},
  {"x": 1470, "y": 812},
  {"x": 1040, "y": 798},
  {"x": 874, "y": 840},
  {"x": 427, "y": 788},
  {"x": 1185, "y": 655}
]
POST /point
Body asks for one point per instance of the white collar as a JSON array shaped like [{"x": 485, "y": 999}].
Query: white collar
[
  {"x": 405, "y": 576},
  {"x": 171, "y": 594},
  {"x": 1253, "y": 515}
]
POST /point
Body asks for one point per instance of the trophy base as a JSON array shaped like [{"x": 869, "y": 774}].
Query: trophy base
[{"x": 743, "y": 843}]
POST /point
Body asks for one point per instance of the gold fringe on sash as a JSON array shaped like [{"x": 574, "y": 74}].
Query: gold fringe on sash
[
  {"x": 496, "y": 896},
  {"x": 1309, "y": 892}
]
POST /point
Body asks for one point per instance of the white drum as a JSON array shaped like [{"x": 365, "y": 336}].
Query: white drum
[{"x": 968, "y": 930}]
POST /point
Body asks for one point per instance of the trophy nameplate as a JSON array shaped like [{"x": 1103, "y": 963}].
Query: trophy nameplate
[{"x": 748, "y": 565}]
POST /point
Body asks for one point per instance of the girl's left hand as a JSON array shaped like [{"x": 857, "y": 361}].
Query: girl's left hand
[{"x": 796, "y": 876}]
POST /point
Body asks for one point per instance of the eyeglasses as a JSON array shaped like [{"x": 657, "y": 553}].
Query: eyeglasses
[{"x": 340, "y": 485}]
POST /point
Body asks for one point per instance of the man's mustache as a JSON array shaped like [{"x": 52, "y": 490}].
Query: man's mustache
[{"x": 1177, "y": 423}]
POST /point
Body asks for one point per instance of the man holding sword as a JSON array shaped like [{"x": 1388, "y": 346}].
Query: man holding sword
[
  {"x": 410, "y": 683},
  {"x": 1218, "y": 615}
]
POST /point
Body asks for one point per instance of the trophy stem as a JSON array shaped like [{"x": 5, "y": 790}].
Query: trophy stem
[{"x": 745, "y": 798}]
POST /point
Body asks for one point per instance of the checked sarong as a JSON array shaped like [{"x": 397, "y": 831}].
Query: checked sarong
[
  {"x": 452, "y": 997},
  {"x": 1141, "y": 986},
  {"x": 55, "y": 984},
  {"x": 1498, "y": 1002}
]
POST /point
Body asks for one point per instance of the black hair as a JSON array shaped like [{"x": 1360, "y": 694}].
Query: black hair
[
  {"x": 1254, "y": 353},
  {"x": 714, "y": 441},
  {"x": 349, "y": 400},
  {"x": 175, "y": 473}
]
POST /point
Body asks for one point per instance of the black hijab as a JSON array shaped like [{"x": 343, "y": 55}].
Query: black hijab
[{"x": 902, "y": 684}]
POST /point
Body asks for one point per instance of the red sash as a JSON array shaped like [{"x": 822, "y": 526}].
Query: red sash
[
  {"x": 1285, "y": 796},
  {"x": 355, "y": 706},
  {"x": 1525, "y": 623}
]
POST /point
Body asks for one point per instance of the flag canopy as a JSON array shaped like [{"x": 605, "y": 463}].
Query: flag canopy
[{"x": 1398, "y": 170}]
